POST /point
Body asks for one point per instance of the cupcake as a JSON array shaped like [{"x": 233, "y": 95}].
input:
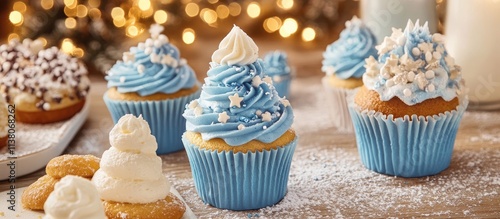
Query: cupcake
[
  {"x": 276, "y": 65},
  {"x": 407, "y": 114},
  {"x": 74, "y": 197},
  {"x": 239, "y": 139},
  {"x": 130, "y": 180},
  {"x": 153, "y": 81},
  {"x": 47, "y": 86},
  {"x": 343, "y": 64}
]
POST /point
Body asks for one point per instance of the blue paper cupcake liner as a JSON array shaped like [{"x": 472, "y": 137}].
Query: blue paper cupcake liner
[
  {"x": 338, "y": 105},
  {"x": 418, "y": 147},
  {"x": 283, "y": 86},
  {"x": 164, "y": 118},
  {"x": 240, "y": 181}
]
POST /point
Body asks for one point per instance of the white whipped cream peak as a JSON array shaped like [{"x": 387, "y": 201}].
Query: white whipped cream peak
[
  {"x": 237, "y": 48},
  {"x": 74, "y": 197},
  {"x": 130, "y": 171},
  {"x": 133, "y": 134}
]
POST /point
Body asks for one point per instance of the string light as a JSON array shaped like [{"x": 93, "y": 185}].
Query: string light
[
  {"x": 70, "y": 12},
  {"x": 188, "y": 36},
  {"x": 144, "y": 5},
  {"x": 94, "y": 13},
  {"x": 234, "y": 9},
  {"x": 132, "y": 31},
  {"x": 285, "y": 4},
  {"x": 16, "y": 18},
  {"x": 94, "y": 3},
  {"x": 117, "y": 13},
  {"x": 19, "y": 6},
  {"x": 70, "y": 23},
  {"x": 70, "y": 3},
  {"x": 208, "y": 15},
  {"x": 272, "y": 24},
  {"x": 81, "y": 11},
  {"x": 213, "y": 1},
  {"x": 308, "y": 34},
  {"x": 289, "y": 27},
  {"x": 253, "y": 9},
  {"x": 192, "y": 9},
  {"x": 161, "y": 16},
  {"x": 67, "y": 46},
  {"x": 47, "y": 4},
  {"x": 120, "y": 22},
  {"x": 222, "y": 11}
]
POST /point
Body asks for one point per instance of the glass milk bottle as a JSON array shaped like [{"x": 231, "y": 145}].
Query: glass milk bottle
[
  {"x": 382, "y": 15},
  {"x": 472, "y": 31}
]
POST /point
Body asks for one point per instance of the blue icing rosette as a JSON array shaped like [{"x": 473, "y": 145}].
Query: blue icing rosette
[
  {"x": 346, "y": 57},
  {"x": 238, "y": 102},
  {"x": 414, "y": 66},
  {"x": 152, "y": 67}
]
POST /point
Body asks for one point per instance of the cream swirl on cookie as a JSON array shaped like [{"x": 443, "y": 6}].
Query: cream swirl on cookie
[
  {"x": 74, "y": 197},
  {"x": 238, "y": 102},
  {"x": 130, "y": 170}
]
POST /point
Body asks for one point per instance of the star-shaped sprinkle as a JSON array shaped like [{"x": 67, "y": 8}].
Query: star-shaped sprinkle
[
  {"x": 223, "y": 117},
  {"x": 241, "y": 127},
  {"x": 285, "y": 102},
  {"x": 141, "y": 69},
  {"x": 266, "y": 117},
  {"x": 235, "y": 100},
  {"x": 256, "y": 81},
  {"x": 198, "y": 111},
  {"x": 128, "y": 57},
  {"x": 155, "y": 30},
  {"x": 268, "y": 80},
  {"x": 193, "y": 104}
]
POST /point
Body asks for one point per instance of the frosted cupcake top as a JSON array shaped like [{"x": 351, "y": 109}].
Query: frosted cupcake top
[
  {"x": 238, "y": 102},
  {"x": 152, "y": 67},
  {"x": 130, "y": 171},
  {"x": 414, "y": 66},
  {"x": 345, "y": 57},
  {"x": 276, "y": 64},
  {"x": 42, "y": 78},
  {"x": 74, "y": 197}
]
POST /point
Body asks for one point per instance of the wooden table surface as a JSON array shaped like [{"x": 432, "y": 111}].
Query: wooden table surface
[{"x": 327, "y": 178}]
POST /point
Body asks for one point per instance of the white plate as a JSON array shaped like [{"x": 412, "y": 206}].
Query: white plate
[
  {"x": 28, "y": 214},
  {"x": 36, "y": 145}
]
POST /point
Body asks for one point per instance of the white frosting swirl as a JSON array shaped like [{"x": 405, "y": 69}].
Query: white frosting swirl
[
  {"x": 237, "y": 48},
  {"x": 4, "y": 114},
  {"x": 73, "y": 197},
  {"x": 133, "y": 135},
  {"x": 130, "y": 171}
]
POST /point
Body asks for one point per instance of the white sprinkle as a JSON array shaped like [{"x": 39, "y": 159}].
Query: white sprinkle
[
  {"x": 141, "y": 69},
  {"x": 436, "y": 55},
  {"x": 163, "y": 38},
  {"x": 155, "y": 58},
  {"x": 430, "y": 88},
  {"x": 410, "y": 76},
  {"x": 389, "y": 83},
  {"x": 241, "y": 127},
  {"x": 193, "y": 104},
  {"x": 141, "y": 46},
  {"x": 149, "y": 42},
  {"x": 264, "y": 127},
  {"x": 258, "y": 112},
  {"x": 430, "y": 74},
  {"x": 122, "y": 79},
  {"x": 407, "y": 92},
  {"x": 223, "y": 117},
  {"x": 158, "y": 43},
  {"x": 428, "y": 56},
  {"x": 416, "y": 51},
  {"x": 46, "y": 106},
  {"x": 148, "y": 50}
]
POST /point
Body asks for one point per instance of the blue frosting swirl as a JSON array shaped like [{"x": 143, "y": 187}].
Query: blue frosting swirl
[
  {"x": 414, "y": 66},
  {"x": 224, "y": 81},
  {"x": 167, "y": 74},
  {"x": 276, "y": 63},
  {"x": 346, "y": 57}
]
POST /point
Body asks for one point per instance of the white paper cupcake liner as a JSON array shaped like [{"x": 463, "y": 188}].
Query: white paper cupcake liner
[
  {"x": 240, "y": 181},
  {"x": 418, "y": 147},
  {"x": 338, "y": 105},
  {"x": 164, "y": 118}
]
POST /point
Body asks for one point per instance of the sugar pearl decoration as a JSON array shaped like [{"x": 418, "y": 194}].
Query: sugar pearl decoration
[
  {"x": 430, "y": 74},
  {"x": 46, "y": 106},
  {"x": 241, "y": 127},
  {"x": 258, "y": 112},
  {"x": 415, "y": 51},
  {"x": 407, "y": 92},
  {"x": 436, "y": 55},
  {"x": 430, "y": 88},
  {"x": 428, "y": 56},
  {"x": 410, "y": 76},
  {"x": 389, "y": 83}
]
